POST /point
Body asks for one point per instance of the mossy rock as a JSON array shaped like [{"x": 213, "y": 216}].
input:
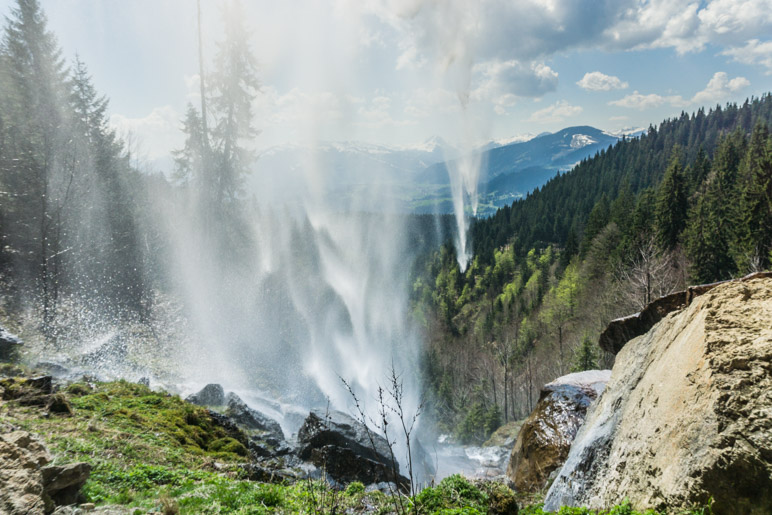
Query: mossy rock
[
  {"x": 57, "y": 403},
  {"x": 228, "y": 444},
  {"x": 79, "y": 389},
  {"x": 12, "y": 370}
]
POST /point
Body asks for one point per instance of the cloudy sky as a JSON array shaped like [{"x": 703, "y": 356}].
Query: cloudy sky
[{"x": 397, "y": 72}]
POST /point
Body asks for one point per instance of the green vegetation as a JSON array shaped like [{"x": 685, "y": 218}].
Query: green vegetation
[
  {"x": 688, "y": 202},
  {"x": 154, "y": 452}
]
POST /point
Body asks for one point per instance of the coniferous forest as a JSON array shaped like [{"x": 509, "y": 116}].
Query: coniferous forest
[{"x": 689, "y": 202}]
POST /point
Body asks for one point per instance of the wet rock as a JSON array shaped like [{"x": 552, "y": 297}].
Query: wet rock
[
  {"x": 424, "y": 470},
  {"x": 686, "y": 414},
  {"x": 268, "y": 447},
  {"x": 249, "y": 418},
  {"x": 385, "y": 487},
  {"x": 545, "y": 438},
  {"x": 9, "y": 343},
  {"x": 267, "y": 474},
  {"x": 346, "y": 449},
  {"x": 35, "y": 391},
  {"x": 62, "y": 483},
  {"x": 345, "y": 465},
  {"x": 210, "y": 395}
]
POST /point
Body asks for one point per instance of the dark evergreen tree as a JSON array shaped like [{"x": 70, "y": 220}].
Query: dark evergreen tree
[
  {"x": 671, "y": 207},
  {"x": 755, "y": 206},
  {"x": 235, "y": 85},
  {"x": 36, "y": 78}
]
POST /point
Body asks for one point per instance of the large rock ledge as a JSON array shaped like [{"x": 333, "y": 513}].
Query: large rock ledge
[
  {"x": 686, "y": 415},
  {"x": 624, "y": 329}
]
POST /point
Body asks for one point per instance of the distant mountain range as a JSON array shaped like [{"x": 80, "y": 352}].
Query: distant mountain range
[{"x": 369, "y": 177}]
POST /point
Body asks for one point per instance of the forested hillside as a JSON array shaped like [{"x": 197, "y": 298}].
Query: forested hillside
[{"x": 688, "y": 202}]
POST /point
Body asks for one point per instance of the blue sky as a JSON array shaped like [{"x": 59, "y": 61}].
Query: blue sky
[{"x": 397, "y": 72}]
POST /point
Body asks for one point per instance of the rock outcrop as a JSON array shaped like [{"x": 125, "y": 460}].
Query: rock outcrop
[
  {"x": 624, "y": 329},
  {"x": 9, "y": 342},
  {"x": 545, "y": 437},
  {"x": 27, "y": 486},
  {"x": 210, "y": 395},
  {"x": 686, "y": 415},
  {"x": 347, "y": 450},
  {"x": 249, "y": 418}
]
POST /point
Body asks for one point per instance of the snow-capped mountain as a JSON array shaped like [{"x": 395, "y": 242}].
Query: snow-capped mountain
[{"x": 415, "y": 177}]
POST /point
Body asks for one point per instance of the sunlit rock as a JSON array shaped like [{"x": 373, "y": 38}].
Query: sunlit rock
[
  {"x": 27, "y": 485},
  {"x": 545, "y": 437},
  {"x": 687, "y": 414}
]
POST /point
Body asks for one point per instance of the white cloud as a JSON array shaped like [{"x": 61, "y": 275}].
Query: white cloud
[
  {"x": 754, "y": 52},
  {"x": 158, "y": 132},
  {"x": 297, "y": 107},
  {"x": 555, "y": 113},
  {"x": 377, "y": 114},
  {"x": 513, "y": 77},
  {"x": 719, "y": 88},
  {"x": 642, "y": 102},
  {"x": 502, "y": 103},
  {"x": 597, "y": 81},
  {"x": 425, "y": 102}
]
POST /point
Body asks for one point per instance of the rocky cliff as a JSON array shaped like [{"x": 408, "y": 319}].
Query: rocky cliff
[{"x": 687, "y": 413}]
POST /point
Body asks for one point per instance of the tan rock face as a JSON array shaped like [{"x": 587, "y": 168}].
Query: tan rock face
[
  {"x": 687, "y": 414},
  {"x": 21, "y": 485},
  {"x": 545, "y": 438}
]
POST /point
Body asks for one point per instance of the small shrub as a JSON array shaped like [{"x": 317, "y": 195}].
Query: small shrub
[
  {"x": 169, "y": 506},
  {"x": 452, "y": 492},
  {"x": 355, "y": 488},
  {"x": 78, "y": 389}
]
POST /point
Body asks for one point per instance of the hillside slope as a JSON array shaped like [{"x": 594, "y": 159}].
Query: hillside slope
[{"x": 689, "y": 201}]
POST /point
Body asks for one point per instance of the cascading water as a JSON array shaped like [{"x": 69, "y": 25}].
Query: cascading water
[{"x": 282, "y": 303}]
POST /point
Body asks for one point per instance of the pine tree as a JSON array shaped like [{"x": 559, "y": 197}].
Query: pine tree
[
  {"x": 235, "y": 85},
  {"x": 670, "y": 213},
  {"x": 596, "y": 221},
  {"x": 35, "y": 103},
  {"x": 706, "y": 246},
  {"x": 108, "y": 261},
  {"x": 698, "y": 171},
  {"x": 755, "y": 206}
]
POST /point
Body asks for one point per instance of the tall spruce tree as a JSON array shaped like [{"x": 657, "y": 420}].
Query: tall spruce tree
[
  {"x": 35, "y": 103},
  {"x": 755, "y": 205},
  {"x": 671, "y": 208},
  {"x": 235, "y": 85},
  {"x": 108, "y": 261}
]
